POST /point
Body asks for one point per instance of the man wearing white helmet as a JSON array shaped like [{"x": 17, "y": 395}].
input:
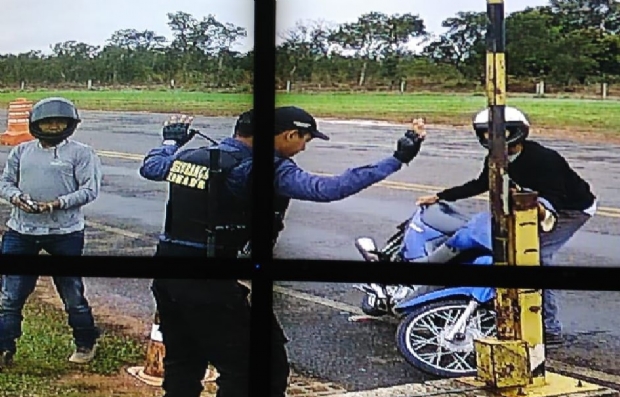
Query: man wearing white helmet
[{"x": 536, "y": 167}]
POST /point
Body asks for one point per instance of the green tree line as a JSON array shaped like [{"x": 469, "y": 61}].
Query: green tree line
[
  {"x": 200, "y": 52},
  {"x": 564, "y": 43}
]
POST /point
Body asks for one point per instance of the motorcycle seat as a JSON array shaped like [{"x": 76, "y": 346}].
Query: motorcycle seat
[{"x": 444, "y": 217}]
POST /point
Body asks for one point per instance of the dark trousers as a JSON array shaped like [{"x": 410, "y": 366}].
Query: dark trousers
[
  {"x": 208, "y": 322},
  {"x": 17, "y": 289}
]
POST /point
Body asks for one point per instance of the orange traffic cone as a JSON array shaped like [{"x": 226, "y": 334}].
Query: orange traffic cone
[
  {"x": 17, "y": 130},
  {"x": 152, "y": 373}
]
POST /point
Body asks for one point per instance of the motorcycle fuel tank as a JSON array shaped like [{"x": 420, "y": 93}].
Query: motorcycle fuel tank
[{"x": 420, "y": 239}]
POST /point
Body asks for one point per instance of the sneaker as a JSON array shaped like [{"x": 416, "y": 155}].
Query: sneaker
[
  {"x": 6, "y": 359},
  {"x": 83, "y": 355},
  {"x": 554, "y": 339}
]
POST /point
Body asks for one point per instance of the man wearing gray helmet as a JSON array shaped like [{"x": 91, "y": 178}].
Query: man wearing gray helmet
[{"x": 48, "y": 180}]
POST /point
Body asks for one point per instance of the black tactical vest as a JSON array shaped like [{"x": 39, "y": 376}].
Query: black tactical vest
[
  {"x": 187, "y": 208},
  {"x": 187, "y": 211}
]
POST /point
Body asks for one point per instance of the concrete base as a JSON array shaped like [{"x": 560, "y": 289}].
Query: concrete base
[{"x": 559, "y": 386}]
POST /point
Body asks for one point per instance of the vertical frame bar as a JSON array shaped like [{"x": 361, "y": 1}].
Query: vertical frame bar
[
  {"x": 498, "y": 158},
  {"x": 262, "y": 200}
]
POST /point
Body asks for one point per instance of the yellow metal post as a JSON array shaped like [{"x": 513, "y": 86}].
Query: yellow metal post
[
  {"x": 524, "y": 230},
  {"x": 505, "y": 363},
  {"x": 513, "y": 363}
]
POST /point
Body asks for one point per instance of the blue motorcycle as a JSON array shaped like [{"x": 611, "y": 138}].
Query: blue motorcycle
[{"x": 438, "y": 325}]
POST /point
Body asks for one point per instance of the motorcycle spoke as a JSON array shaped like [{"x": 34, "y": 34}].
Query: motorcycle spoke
[
  {"x": 459, "y": 362},
  {"x": 427, "y": 357},
  {"x": 421, "y": 342},
  {"x": 462, "y": 360},
  {"x": 481, "y": 319},
  {"x": 450, "y": 319},
  {"x": 431, "y": 326},
  {"x": 485, "y": 317},
  {"x": 454, "y": 365},
  {"x": 492, "y": 328},
  {"x": 468, "y": 354},
  {"x": 477, "y": 318}
]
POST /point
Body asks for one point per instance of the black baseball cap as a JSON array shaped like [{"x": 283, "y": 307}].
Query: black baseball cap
[
  {"x": 294, "y": 118},
  {"x": 244, "y": 123}
]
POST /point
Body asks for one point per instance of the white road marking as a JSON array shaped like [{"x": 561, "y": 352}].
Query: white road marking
[
  {"x": 115, "y": 230},
  {"x": 319, "y": 300}
]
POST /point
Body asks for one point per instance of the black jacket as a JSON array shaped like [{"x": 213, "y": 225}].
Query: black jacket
[{"x": 538, "y": 168}]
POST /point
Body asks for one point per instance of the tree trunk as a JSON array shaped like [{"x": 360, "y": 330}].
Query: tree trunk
[{"x": 363, "y": 74}]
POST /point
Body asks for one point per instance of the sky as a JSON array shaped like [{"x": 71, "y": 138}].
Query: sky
[{"x": 24, "y": 26}]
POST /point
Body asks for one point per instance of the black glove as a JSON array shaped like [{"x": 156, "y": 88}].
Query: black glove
[
  {"x": 408, "y": 147},
  {"x": 177, "y": 130}
]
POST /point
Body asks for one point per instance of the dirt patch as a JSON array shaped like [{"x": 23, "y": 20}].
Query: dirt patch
[
  {"x": 105, "y": 386},
  {"x": 94, "y": 385}
]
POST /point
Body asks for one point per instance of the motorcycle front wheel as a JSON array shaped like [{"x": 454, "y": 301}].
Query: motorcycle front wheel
[{"x": 421, "y": 338}]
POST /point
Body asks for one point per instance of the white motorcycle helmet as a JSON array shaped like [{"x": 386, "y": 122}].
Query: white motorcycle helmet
[{"x": 517, "y": 126}]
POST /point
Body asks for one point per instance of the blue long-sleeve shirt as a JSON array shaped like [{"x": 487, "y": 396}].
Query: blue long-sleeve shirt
[{"x": 290, "y": 180}]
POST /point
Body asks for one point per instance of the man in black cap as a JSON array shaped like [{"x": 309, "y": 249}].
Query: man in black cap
[{"x": 191, "y": 309}]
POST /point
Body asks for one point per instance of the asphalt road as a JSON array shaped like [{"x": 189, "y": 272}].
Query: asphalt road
[{"x": 357, "y": 355}]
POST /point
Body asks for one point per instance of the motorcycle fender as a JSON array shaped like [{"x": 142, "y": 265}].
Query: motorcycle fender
[{"x": 480, "y": 294}]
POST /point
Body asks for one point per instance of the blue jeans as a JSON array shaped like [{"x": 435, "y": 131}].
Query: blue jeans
[
  {"x": 569, "y": 222},
  {"x": 16, "y": 289},
  {"x": 14, "y": 243}
]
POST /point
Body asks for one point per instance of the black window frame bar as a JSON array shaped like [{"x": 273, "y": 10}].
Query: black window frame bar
[
  {"x": 263, "y": 270},
  {"x": 262, "y": 179}
]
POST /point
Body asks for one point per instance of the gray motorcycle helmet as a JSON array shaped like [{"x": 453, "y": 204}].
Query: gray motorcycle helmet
[{"x": 53, "y": 108}]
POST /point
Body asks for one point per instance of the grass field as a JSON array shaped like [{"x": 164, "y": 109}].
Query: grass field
[
  {"x": 454, "y": 109},
  {"x": 41, "y": 366}
]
